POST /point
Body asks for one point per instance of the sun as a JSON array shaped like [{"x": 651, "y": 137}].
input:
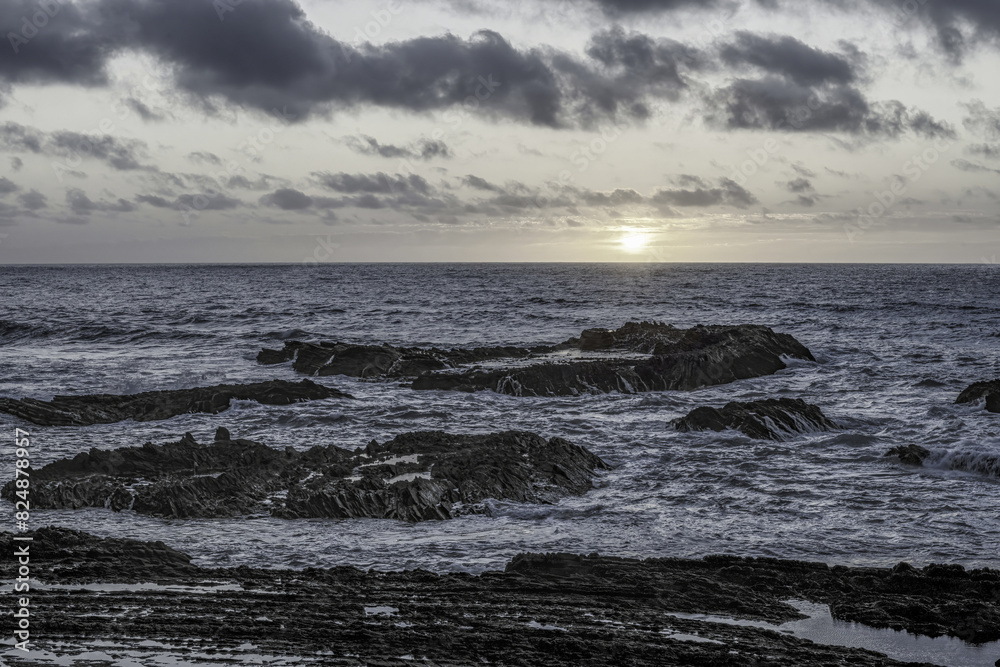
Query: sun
[{"x": 634, "y": 240}]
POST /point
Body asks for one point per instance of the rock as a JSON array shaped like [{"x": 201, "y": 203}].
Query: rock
[
  {"x": 989, "y": 392},
  {"x": 156, "y": 405},
  {"x": 771, "y": 419},
  {"x": 222, "y": 433},
  {"x": 414, "y": 477},
  {"x": 913, "y": 455},
  {"x": 682, "y": 359},
  {"x": 563, "y": 610}
]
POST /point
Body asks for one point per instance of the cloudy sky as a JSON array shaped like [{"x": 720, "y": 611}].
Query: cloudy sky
[{"x": 489, "y": 130}]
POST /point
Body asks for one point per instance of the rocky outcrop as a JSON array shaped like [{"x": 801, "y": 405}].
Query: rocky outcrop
[
  {"x": 543, "y": 609},
  {"x": 682, "y": 359},
  {"x": 414, "y": 477},
  {"x": 988, "y": 392},
  {"x": 372, "y": 361},
  {"x": 156, "y": 405},
  {"x": 679, "y": 359},
  {"x": 771, "y": 419},
  {"x": 911, "y": 455}
]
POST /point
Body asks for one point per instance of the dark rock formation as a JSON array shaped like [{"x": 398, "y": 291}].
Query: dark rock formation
[
  {"x": 544, "y": 609},
  {"x": 414, "y": 477},
  {"x": 989, "y": 392},
  {"x": 912, "y": 455},
  {"x": 156, "y": 405},
  {"x": 771, "y": 419},
  {"x": 682, "y": 359}
]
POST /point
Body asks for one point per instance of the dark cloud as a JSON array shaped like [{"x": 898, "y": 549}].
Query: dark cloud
[
  {"x": 788, "y": 57},
  {"x": 81, "y": 204},
  {"x": 379, "y": 183},
  {"x": 117, "y": 153},
  {"x": 803, "y": 171},
  {"x": 16, "y": 163},
  {"x": 7, "y": 186},
  {"x": 778, "y": 103},
  {"x": 33, "y": 200},
  {"x": 208, "y": 201},
  {"x": 799, "y": 185},
  {"x": 287, "y": 199},
  {"x": 205, "y": 157},
  {"x": 19, "y": 138},
  {"x": 422, "y": 149},
  {"x": 988, "y": 151},
  {"x": 982, "y": 120},
  {"x": 972, "y": 167},
  {"x": 807, "y": 200},
  {"x": 481, "y": 184},
  {"x": 147, "y": 114},
  {"x": 729, "y": 193}
]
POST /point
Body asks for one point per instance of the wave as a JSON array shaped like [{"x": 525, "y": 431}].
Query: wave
[{"x": 980, "y": 463}]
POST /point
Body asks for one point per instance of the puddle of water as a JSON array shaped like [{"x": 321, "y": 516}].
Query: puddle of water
[
  {"x": 822, "y": 628},
  {"x": 381, "y": 611}
]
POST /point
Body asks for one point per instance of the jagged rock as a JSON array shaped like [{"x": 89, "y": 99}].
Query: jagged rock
[
  {"x": 222, "y": 433},
  {"x": 771, "y": 419},
  {"x": 913, "y": 455},
  {"x": 414, "y": 477},
  {"x": 682, "y": 359},
  {"x": 156, "y": 405},
  {"x": 370, "y": 361},
  {"x": 989, "y": 392}
]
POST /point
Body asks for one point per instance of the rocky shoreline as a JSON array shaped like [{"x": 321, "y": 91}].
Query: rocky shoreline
[{"x": 543, "y": 609}]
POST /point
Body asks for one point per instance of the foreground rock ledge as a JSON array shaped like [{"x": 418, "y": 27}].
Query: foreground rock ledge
[
  {"x": 988, "y": 392},
  {"x": 603, "y": 360},
  {"x": 770, "y": 419},
  {"x": 156, "y": 405},
  {"x": 413, "y": 477},
  {"x": 543, "y": 609}
]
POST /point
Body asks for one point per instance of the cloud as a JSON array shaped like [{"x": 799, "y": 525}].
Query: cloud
[
  {"x": 481, "y": 184},
  {"x": 982, "y": 121},
  {"x": 205, "y": 157},
  {"x": 80, "y": 204},
  {"x": 119, "y": 154},
  {"x": 208, "y": 201},
  {"x": 7, "y": 186},
  {"x": 19, "y": 138},
  {"x": 799, "y": 185},
  {"x": 287, "y": 199},
  {"x": 422, "y": 149},
  {"x": 988, "y": 151},
  {"x": 16, "y": 163},
  {"x": 972, "y": 167},
  {"x": 788, "y": 57},
  {"x": 33, "y": 200},
  {"x": 379, "y": 183},
  {"x": 729, "y": 193},
  {"x": 778, "y": 103},
  {"x": 144, "y": 111}
]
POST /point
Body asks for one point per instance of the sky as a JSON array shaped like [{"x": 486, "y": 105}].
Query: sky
[{"x": 479, "y": 130}]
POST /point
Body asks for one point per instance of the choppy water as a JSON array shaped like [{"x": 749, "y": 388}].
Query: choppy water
[{"x": 895, "y": 345}]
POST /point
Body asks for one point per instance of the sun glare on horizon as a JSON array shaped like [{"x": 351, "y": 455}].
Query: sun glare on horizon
[{"x": 634, "y": 240}]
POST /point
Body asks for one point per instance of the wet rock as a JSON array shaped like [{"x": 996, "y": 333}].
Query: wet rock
[
  {"x": 222, "y": 433},
  {"x": 913, "y": 455},
  {"x": 771, "y": 419},
  {"x": 543, "y": 609},
  {"x": 988, "y": 392},
  {"x": 155, "y": 405},
  {"x": 682, "y": 359},
  {"x": 414, "y": 477}
]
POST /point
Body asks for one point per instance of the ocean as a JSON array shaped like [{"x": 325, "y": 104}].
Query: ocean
[{"x": 894, "y": 344}]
